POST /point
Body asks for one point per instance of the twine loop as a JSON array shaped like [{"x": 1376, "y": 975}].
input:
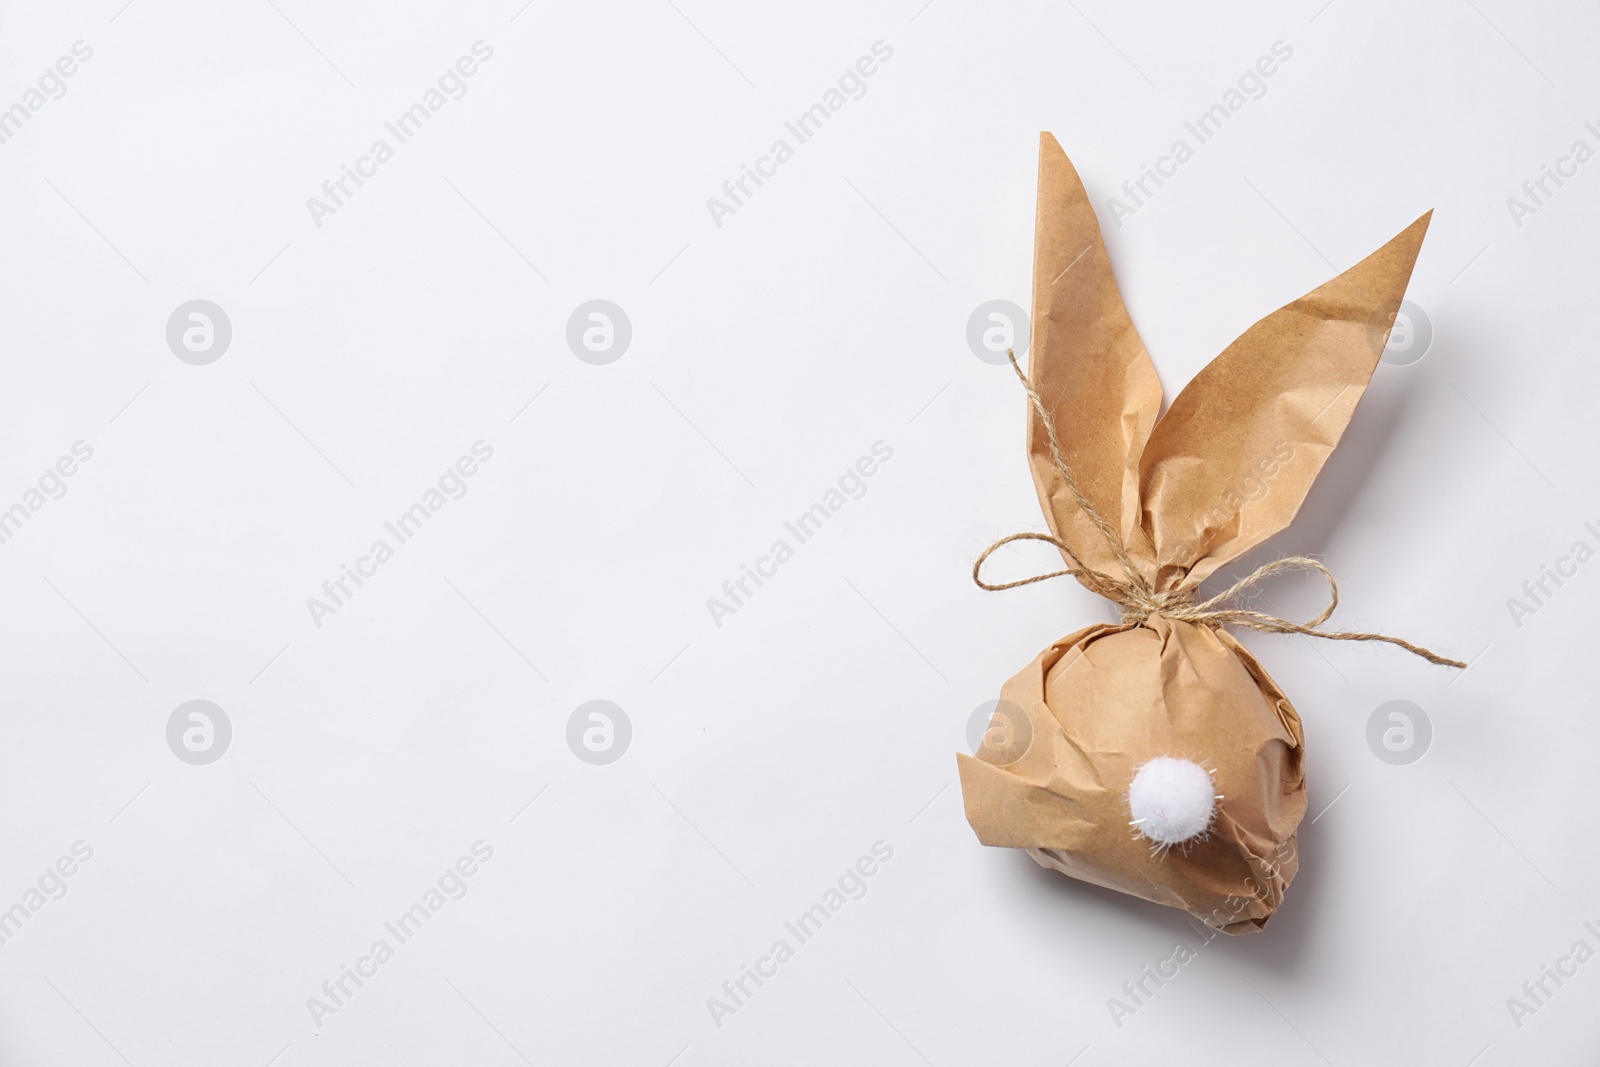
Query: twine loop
[{"x": 1139, "y": 600}]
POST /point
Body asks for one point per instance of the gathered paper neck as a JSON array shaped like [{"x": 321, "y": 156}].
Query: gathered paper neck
[{"x": 1139, "y": 600}]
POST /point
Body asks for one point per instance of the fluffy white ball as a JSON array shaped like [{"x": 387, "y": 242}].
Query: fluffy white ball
[{"x": 1172, "y": 800}]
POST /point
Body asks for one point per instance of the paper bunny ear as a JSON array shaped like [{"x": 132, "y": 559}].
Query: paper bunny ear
[
  {"x": 1232, "y": 459},
  {"x": 1091, "y": 370}
]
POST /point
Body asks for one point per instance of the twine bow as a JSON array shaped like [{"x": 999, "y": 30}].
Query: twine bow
[{"x": 1138, "y": 600}]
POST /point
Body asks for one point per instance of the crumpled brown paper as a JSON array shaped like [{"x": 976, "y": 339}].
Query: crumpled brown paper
[{"x": 1225, "y": 468}]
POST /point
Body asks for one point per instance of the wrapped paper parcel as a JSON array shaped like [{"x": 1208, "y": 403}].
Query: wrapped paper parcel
[{"x": 1154, "y": 756}]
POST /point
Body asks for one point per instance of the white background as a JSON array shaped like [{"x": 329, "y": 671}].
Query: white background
[{"x": 768, "y": 354}]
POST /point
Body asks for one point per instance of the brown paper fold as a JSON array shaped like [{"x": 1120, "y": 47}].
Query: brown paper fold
[
  {"x": 1287, "y": 386},
  {"x": 1091, "y": 369},
  {"x": 1226, "y": 467},
  {"x": 1103, "y": 701}
]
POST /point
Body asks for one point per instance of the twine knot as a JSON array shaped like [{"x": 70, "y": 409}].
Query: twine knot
[
  {"x": 1139, "y": 601},
  {"x": 1142, "y": 603}
]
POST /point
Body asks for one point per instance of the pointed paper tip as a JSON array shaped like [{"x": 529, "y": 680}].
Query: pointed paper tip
[
  {"x": 1054, "y": 165},
  {"x": 1407, "y": 243},
  {"x": 1418, "y": 229},
  {"x": 1051, "y": 154}
]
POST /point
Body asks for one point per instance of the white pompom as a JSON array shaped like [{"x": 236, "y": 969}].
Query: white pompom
[{"x": 1172, "y": 800}]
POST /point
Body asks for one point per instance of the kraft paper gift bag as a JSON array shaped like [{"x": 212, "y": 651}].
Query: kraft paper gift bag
[{"x": 1144, "y": 507}]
